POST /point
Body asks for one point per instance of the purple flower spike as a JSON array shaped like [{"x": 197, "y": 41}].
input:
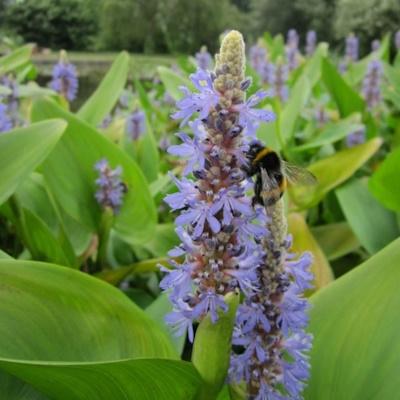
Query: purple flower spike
[
  {"x": 216, "y": 223},
  {"x": 110, "y": 188},
  {"x": 292, "y": 49},
  {"x": 5, "y": 121},
  {"x": 311, "y": 42},
  {"x": 270, "y": 323},
  {"x": 372, "y": 84},
  {"x": 65, "y": 80},
  {"x": 135, "y": 125},
  {"x": 352, "y": 45},
  {"x": 397, "y": 40}
]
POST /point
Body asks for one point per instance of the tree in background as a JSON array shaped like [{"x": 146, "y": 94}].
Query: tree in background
[
  {"x": 165, "y": 25},
  {"x": 56, "y": 24},
  {"x": 369, "y": 19}
]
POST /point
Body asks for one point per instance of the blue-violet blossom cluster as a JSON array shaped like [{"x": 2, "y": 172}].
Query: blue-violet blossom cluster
[
  {"x": 372, "y": 84},
  {"x": 204, "y": 59},
  {"x": 216, "y": 217},
  {"x": 110, "y": 189},
  {"x": 271, "y": 322},
  {"x": 292, "y": 49},
  {"x": 311, "y": 42},
  {"x": 65, "y": 78},
  {"x": 135, "y": 125}
]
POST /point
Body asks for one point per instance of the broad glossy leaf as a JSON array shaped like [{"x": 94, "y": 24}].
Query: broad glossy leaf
[
  {"x": 332, "y": 133},
  {"x": 304, "y": 240},
  {"x": 335, "y": 240},
  {"x": 332, "y": 171},
  {"x": 298, "y": 97},
  {"x": 374, "y": 225},
  {"x": 347, "y": 100},
  {"x": 355, "y": 353},
  {"x": 385, "y": 183},
  {"x": 70, "y": 174},
  {"x": 23, "y": 149},
  {"x": 212, "y": 349},
  {"x": 45, "y": 233},
  {"x": 83, "y": 336},
  {"x": 15, "y": 59},
  {"x": 101, "y": 102},
  {"x": 143, "y": 379},
  {"x": 172, "y": 81}
]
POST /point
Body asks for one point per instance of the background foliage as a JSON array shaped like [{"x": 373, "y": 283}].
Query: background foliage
[{"x": 161, "y": 26}]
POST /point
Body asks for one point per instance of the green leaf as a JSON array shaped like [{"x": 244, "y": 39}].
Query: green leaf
[
  {"x": 373, "y": 225},
  {"x": 83, "y": 338},
  {"x": 147, "y": 151},
  {"x": 385, "y": 184},
  {"x": 332, "y": 133},
  {"x": 70, "y": 174},
  {"x": 44, "y": 231},
  {"x": 15, "y": 59},
  {"x": 297, "y": 100},
  {"x": 303, "y": 240},
  {"x": 355, "y": 354},
  {"x": 101, "y": 102},
  {"x": 128, "y": 379},
  {"x": 23, "y": 149},
  {"x": 212, "y": 349},
  {"x": 172, "y": 81},
  {"x": 347, "y": 100},
  {"x": 4, "y": 256},
  {"x": 117, "y": 275},
  {"x": 157, "y": 310},
  {"x": 312, "y": 69},
  {"x": 332, "y": 171},
  {"x": 336, "y": 240}
]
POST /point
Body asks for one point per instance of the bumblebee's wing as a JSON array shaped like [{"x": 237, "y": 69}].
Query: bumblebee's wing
[{"x": 297, "y": 175}]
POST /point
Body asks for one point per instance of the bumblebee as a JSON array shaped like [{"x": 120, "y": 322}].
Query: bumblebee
[{"x": 272, "y": 174}]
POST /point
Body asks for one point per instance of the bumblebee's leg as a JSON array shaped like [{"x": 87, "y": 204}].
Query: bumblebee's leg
[{"x": 257, "y": 199}]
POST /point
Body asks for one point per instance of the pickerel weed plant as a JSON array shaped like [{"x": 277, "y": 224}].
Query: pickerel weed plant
[{"x": 227, "y": 244}]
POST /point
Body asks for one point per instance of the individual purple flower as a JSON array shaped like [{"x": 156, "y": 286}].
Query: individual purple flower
[
  {"x": 135, "y": 125},
  {"x": 258, "y": 58},
  {"x": 355, "y": 138},
  {"x": 372, "y": 84},
  {"x": 5, "y": 121},
  {"x": 397, "y": 40},
  {"x": 292, "y": 38},
  {"x": 351, "y": 50},
  {"x": 375, "y": 45},
  {"x": 204, "y": 59},
  {"x": 311, "y": 42},
  {"x": 192, "y": 149},
  {"x": 110, "y": 189},
  {"x": 250, "y": 117},
  {"x": 216, "y": 219},
  {"x": 201, "y": 102},
  {"x": 65, "y": 79}
]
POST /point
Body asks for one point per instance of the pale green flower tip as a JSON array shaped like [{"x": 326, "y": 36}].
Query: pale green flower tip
[{"x": 232, "y": 53}]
